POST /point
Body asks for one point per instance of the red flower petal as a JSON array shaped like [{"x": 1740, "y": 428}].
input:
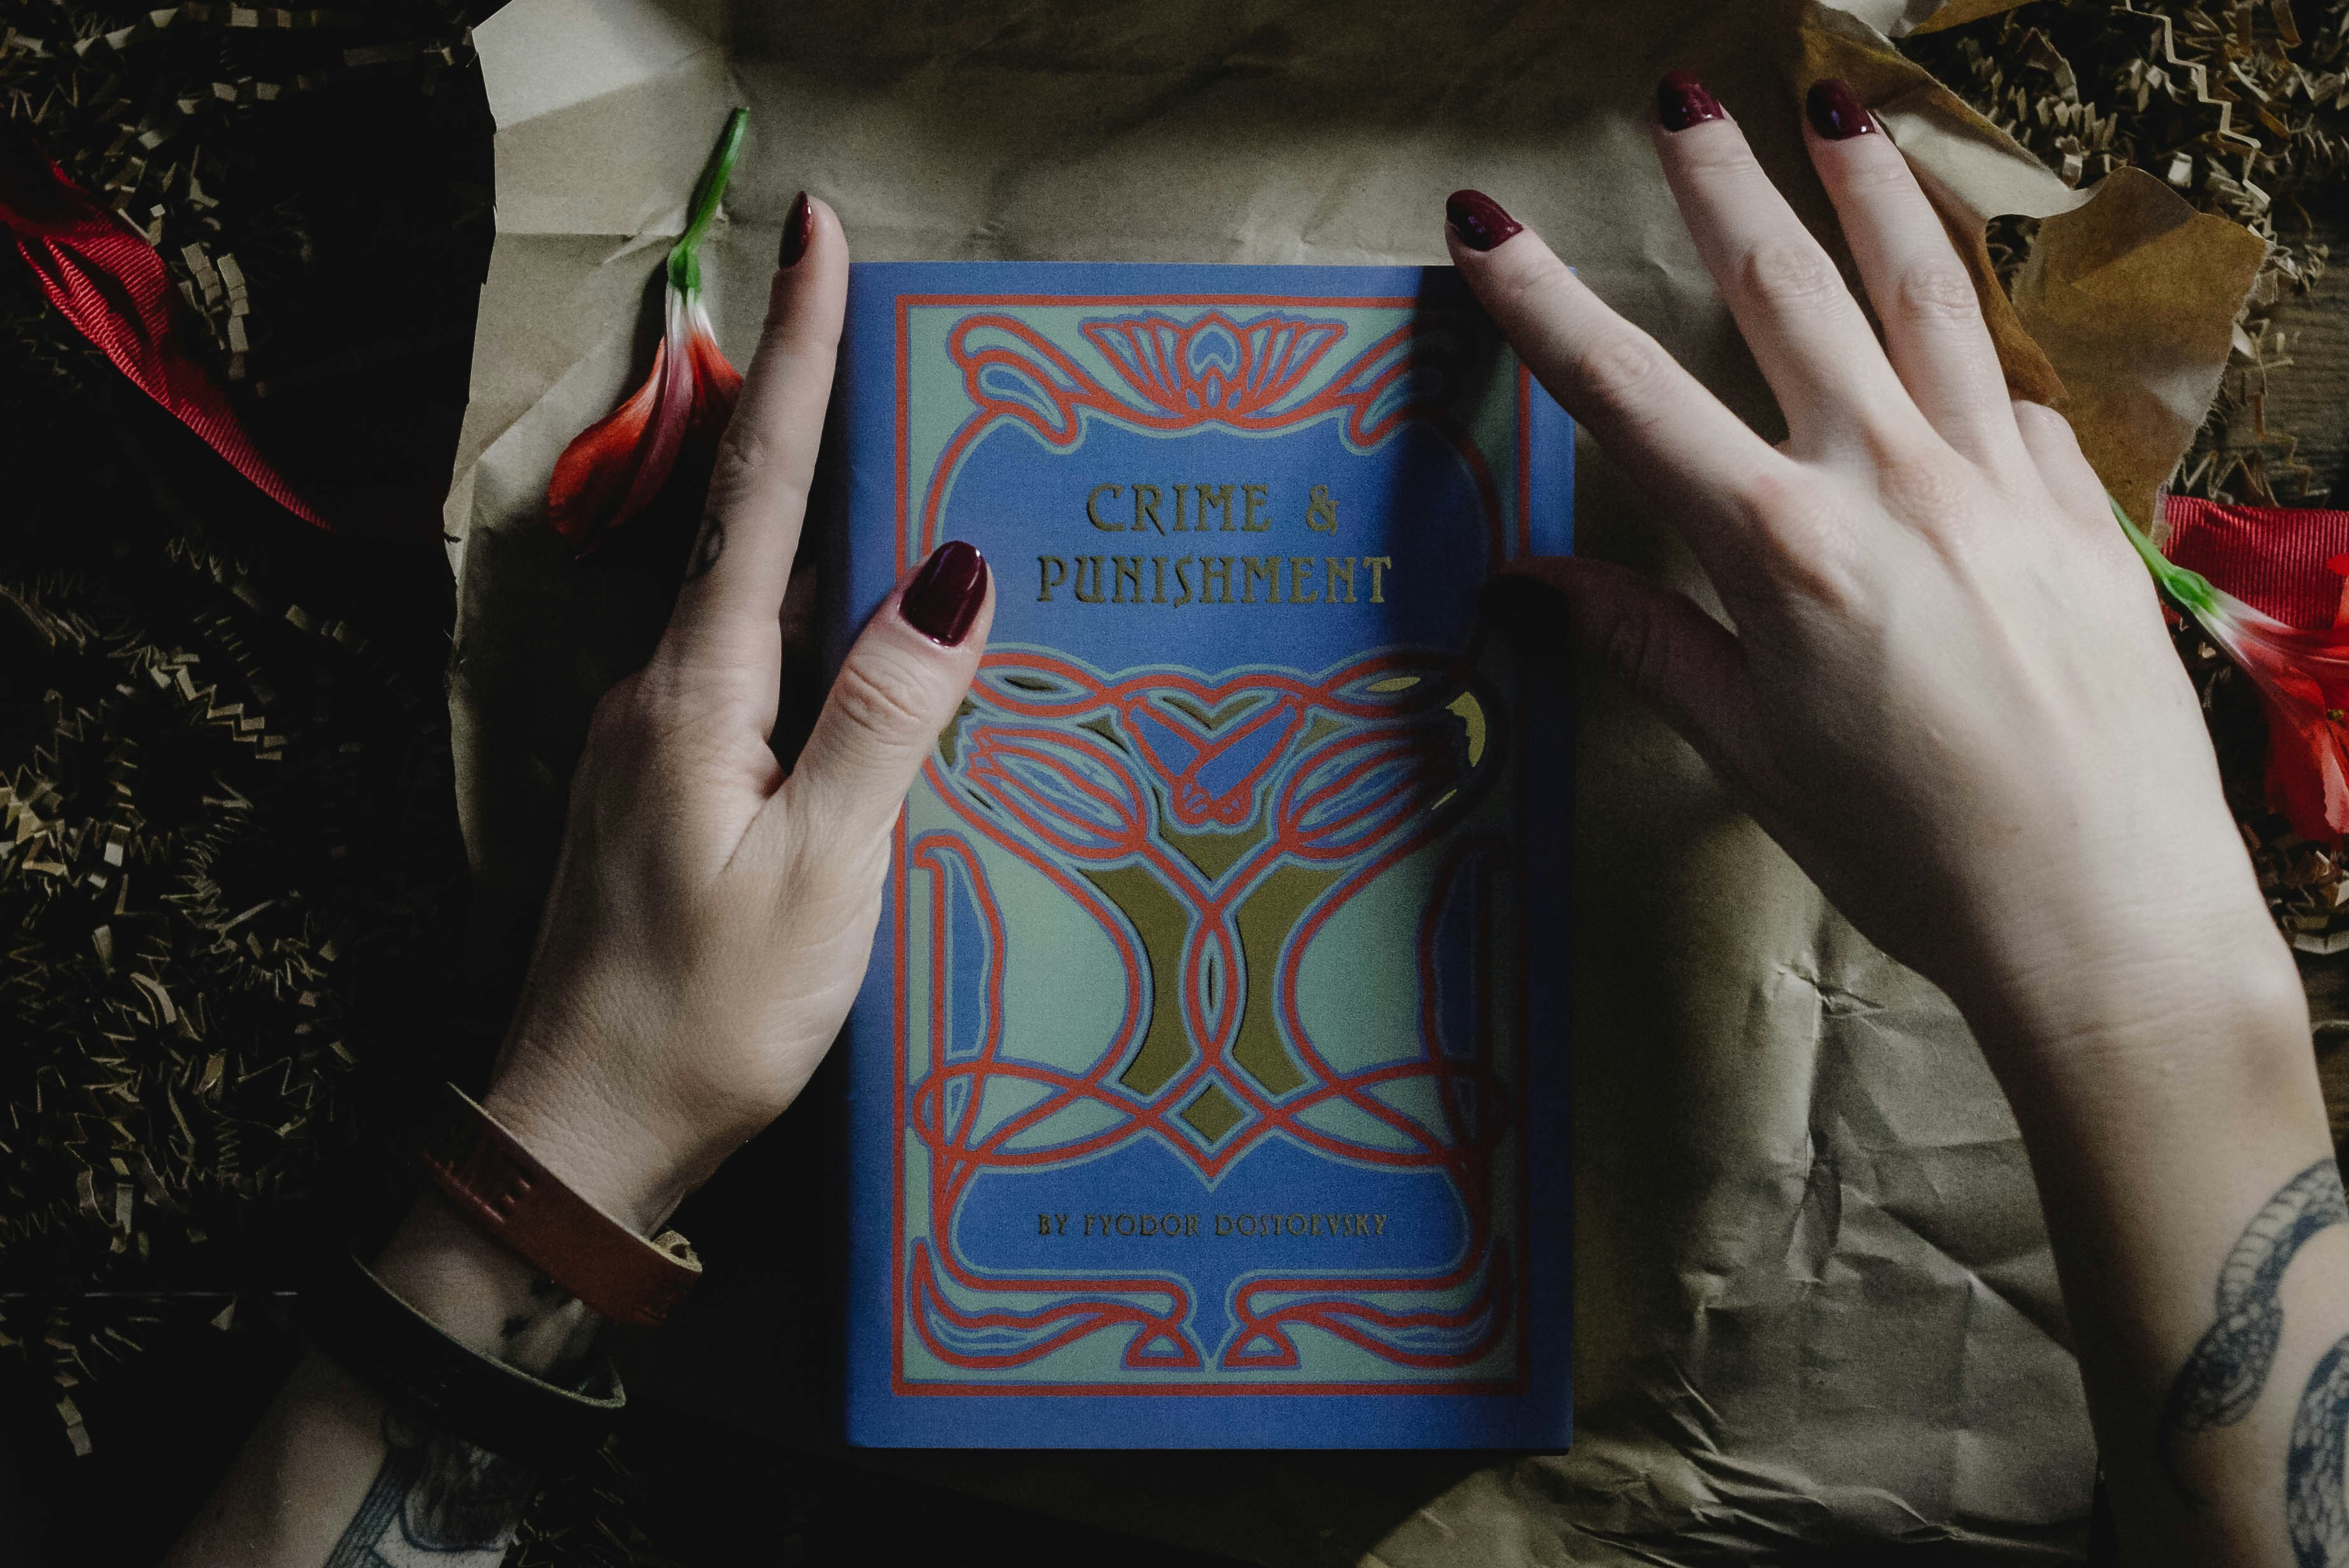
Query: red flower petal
[
  {"x": 719, "y": 379},
  {"x": 595, "y": 472},
  {"x": 618, "y": 465},
  {"x": 2308, "y": 771},
  {"x": 2303, "y": 679}
]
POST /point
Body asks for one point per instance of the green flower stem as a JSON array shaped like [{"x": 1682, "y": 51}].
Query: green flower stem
[
  {"x": 685, "y": 256},
  {"x": 2191, "y": 591}
]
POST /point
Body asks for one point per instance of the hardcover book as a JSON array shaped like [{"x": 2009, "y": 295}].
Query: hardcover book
[{"x": 1207, "y": 1086}]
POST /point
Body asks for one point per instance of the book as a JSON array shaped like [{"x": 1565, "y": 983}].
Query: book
[{"x": 1207, "y": 1086}]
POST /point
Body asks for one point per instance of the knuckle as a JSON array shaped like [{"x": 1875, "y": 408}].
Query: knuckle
[
  {"x": 1623, "y": 374},
  {"x": 883, "y": 697},
  {"x": 741, "y": 458},
  {"x": 1716, "y": 157},
  {"x": 1873, "y": 170},
  {"x": 1776, "y": 499},
  {"x": 1533, "y": 282},
  {"x": 1929, "y": 490},
  {"x": 2037, "y": 420},
  {"x": 657, "y": 709},
  {"x": 752, "y": 478},
  {"x": 1801, "y": 542},
  {"x": 623, "y": 710},
  {"x": 630, "y": 723},
  {"x": 798, "y": 345},
  {"x": 1792, "y": 276},
  {"x": 808, "y": 348},
  {"x": 1637, "y": 652},
  {"x": 1934, "y": 293}
]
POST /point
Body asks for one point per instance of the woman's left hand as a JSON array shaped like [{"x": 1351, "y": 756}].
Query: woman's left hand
[{"x": 711, "y": 915}]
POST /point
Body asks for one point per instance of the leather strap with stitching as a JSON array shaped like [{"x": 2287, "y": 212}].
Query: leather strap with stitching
[
  {"x": 511, "y": 1196},
  {"x": 361, "y": 1324}
]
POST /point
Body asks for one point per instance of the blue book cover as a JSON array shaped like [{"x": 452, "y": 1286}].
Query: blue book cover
[{"x": 1207, "y": 1087}]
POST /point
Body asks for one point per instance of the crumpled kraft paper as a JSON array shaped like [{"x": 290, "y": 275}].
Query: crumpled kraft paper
[
  {"x": 2136, "y": 294},
  {"x": 1899, "y": 18},
  {"x": 2122, "y": 318},
  {"x": 1815, "y": 1305}
]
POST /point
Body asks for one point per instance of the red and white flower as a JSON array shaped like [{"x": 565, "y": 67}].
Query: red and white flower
[
  {"x": 617, "y": 465},
  {"x": 2303, "y": 679}
]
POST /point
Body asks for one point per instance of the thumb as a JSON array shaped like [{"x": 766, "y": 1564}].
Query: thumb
[
  {"x": 898, "y": 687},
  {"x": 1654, "y": 639}
]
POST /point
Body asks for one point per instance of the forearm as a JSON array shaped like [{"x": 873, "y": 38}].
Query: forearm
[
  {"x": 2184, "y": 1162},
  {"x": 333, "y": 1470}
]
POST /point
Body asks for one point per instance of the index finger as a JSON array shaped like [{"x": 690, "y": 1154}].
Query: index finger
[
  {"x": 725, "y": 621},
  {"x": 1645, "y": 409}
]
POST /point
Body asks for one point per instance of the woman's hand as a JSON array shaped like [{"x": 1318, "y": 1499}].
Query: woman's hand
[
  {"x": 1951, "y": 697},
  {"x": 1950, "y": 694},
  {"x": 711, "y": 915},
  {"x": 708, "y": 926}
]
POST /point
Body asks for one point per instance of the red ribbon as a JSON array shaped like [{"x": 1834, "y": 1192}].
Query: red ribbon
[
  {"x": 2276, "y": 559},
  {"x": 105, "y": 278}
]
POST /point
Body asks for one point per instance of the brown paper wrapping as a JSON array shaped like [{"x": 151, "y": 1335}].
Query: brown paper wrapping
[
  {"x": 1957, "y": 13},
  {"x": 1899, "y": 18},
  {"x": 1814, "y": 1297},
  {"x": 2136, "y": 293}
]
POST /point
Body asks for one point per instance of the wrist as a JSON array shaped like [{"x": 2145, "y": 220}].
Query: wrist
[
  {"x": 2079, "y": 961},
  {"x": 593, "y": 1138},
  {"x": 488, "y": 1298},
  {"x": 2215, "y": 1013}
]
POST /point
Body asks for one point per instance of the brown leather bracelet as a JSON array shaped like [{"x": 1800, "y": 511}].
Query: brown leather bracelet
[
  {"x": 512, "y": 1197},
  {"x": 371, "y": 1332}
]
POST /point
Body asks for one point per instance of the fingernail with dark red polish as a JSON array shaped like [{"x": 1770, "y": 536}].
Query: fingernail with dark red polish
[
  {"x": 797, "y": 229},
  {"x": 944, "y": 596},
  {"x": 1836, "y": 110},
  {"x": 1479, "y": 221},
  {"x": 1682, "y": 101}
]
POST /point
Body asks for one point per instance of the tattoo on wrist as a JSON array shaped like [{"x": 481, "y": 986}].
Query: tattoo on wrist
[
  {"x": 2229, "y": 1369},
  {"x": 2315, "y": 1511},
  {"x": 434, "y": 1497}
]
